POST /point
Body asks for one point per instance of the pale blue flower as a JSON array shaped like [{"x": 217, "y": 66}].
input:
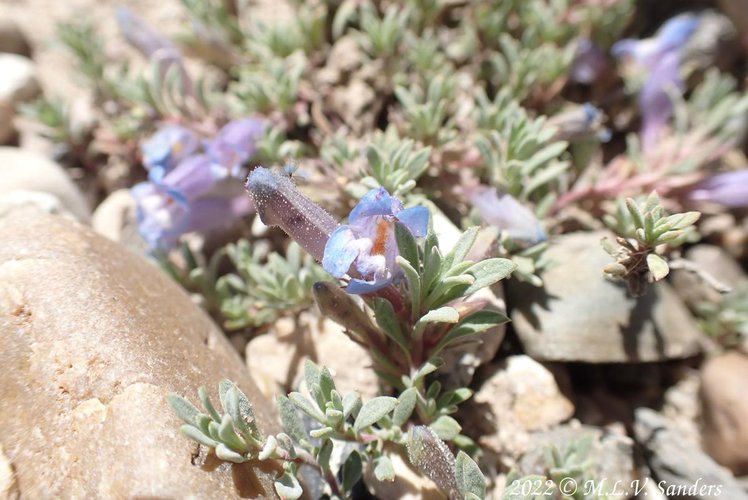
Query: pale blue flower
[
  {"x": 233, "y": 145},
  {"x": 366, "y": 248},
  {"x": 729, "y": 189},
  {"x": 509, "y": 215},
  {"x": 166, "y": 148},
  {"x": 188, "y": 198},
  {"x": 661, "y": 57}
]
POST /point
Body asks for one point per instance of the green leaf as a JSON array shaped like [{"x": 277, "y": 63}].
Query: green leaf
[
  {"x": 682, "y": 221},
  {"x": 324, "y": 454},
  {"x": 461, "y": 249},
  {"x": 657, "y": 266},
  {"x": 311, "y": 373},
  {"x": 290, "y": 419},
  {"x": 489, "y": 271},
  {"x": 469, "y": 477},
  {"x": 192, "y": 432},
  {"x": 444, "y": 314},
  {"x": 407, "y": 246},
  {"x": 428, "y": 368},
  {"x": 224, "y": 453},
  {"x": 405, "y": 408},
  {"x": 383, "y": 469},
  {"x": 445, "y": 427},
  {"x": 414, "y": 283},
  {"x": 352, "y": 469},
  {"x": 287, "y": 487},
  {"x": 306, "y": 406},
  {"x": 326, "y": 383},
  {"x": 185, "y": 410},
  {"x": 477, "y": 322},
  {"x": 202, "y": 393},
  {"x": 636, "y": 214},
  {"x": 387, "y": 321},
  {"x": 372, "y": 411},
  {"x": 228, "y": 435},
  {"x": 351, "y": 404}
]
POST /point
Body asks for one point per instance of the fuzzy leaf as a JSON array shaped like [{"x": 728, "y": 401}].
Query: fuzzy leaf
[
  {"x": 469, "y": 476},
  {"x": 489, "y": 271},
  {"x": 224, "y": 453},
  {"x": 445, "y": 427},
  {"x": 406, "y": 406},
  {"x": 205, "y": 400},
  {"x": 352, "y": 469},
  {"x": 290, "y": 419},
  {"x": 194, "y": 433},
  {"x": 442, "y": 315},
  {"x": 306, "y": 406},
  {"x": 351, "y": 404},
  {"x": 287, "y": 487},
  {"x": 373, "y": 410},
  {"x": 461, "y": 249},
  {"x": 407, "y": 245},
  {"x": 185, "y": 410},
  {"x": 657, "y": 266},
  {"x": 387, "y": 321},
  {"x": 383, "y": 469},
  {"x": 477, "y": 322}
]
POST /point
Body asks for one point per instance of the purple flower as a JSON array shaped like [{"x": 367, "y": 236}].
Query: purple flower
[
  {"x": 166, "y": 148},
  {"x": 366, "y": 246},
  {"x": 661, "y": 57},
  {"x": 188, "y": 198},
  {"x": 729, "y": 189},
  {"x": 508, "y": 214},
  {"x": 234, "y": 144}
]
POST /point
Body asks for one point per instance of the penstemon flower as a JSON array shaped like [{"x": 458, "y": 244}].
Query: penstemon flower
[
  {"x": 729, "y": 189},
  {"x": 189, "y": 190},
  {"x": 661, "y": 57},
  {"x": 508, "y": 214},
  {"x": 366, "y": 248}
]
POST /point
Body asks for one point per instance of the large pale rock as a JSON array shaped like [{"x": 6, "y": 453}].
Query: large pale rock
[
  {"x": 29, "y": 171},
  {"x": 276, "y": 360},
  {"x": 115, "y": 216},
  {"x": 520, "y": 397},
  {"x": 715, "y": 261},
  {"x": 579, "y": 315},
  {"x": 677, "y": 465},
  {"x": 93, "y": 339},
  {"x": 17, "y": 84},
  {"x": 725, "y": 410}
]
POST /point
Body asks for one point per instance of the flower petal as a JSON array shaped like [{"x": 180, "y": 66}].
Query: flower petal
[
  {"x": 169, "y": 146},
  {"x": 234, "y": 144},
  {"x": 416, "y": 219},
  {"x": 340, "y": 251},
  {"x": 375, "y": 202},
  {"x": 358, "y": 287},
  {"x": 192, "y": 176}
]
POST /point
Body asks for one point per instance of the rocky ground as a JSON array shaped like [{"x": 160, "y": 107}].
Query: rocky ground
[{"x": 93, "y": 336}]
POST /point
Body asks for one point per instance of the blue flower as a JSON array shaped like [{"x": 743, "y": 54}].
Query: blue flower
[
  {"x": 188, "y": 198},
  {"x": 193, "y": 190},
  {"x": 508, "y": 214},
  {"x": 233, "y": 145},
  {"x": 366, "y": 248},
  {"x": 166, "y": 148},
  {"x": 729, "y": 189},
  {"x": 661, "y": 57}
]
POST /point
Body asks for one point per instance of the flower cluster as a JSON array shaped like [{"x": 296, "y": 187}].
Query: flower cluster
[
  {"x": 366, "y": 247},
  {"x": 661, "y": 58},
  {"x": 193, "y": 184}
]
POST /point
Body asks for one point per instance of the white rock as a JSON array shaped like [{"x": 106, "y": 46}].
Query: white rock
[
  {"x": 29, "y": 171},
  {"x": 276, "y": 360},
  {"x": 113, "y": 214},
  {"x": 18, "y": 83},
  {"x": 519, "y": 398},
  {"x": 20, "y": 199}
]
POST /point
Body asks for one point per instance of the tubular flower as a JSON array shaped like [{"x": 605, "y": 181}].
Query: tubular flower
[
  {"x": 189, "y": 190},
  {"x": 366, "y": 248},
  {"x": 508, "y": 214},
  {"x": 661, "y": 57},
  {"x": 233, "y": 145},
  {"x": 166, "y": 148},
  {"x": 729, "y": 189}
]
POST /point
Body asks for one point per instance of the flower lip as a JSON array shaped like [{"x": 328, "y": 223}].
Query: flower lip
[{"x": 366, "y": 248}]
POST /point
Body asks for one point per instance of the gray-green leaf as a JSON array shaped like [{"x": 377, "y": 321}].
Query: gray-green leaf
[{"x": 373, "y": 410}]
